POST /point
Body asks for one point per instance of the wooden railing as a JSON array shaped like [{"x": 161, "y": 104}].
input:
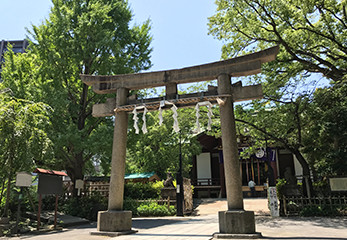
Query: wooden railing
[{"x": 206, "y": 182}]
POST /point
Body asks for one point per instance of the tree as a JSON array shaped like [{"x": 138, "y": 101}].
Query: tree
[
  {"x": 283, "y": 124},
  {"x": 311, "y": 34},
  {"x": 83, "y": 37},
  {"x": 23, "y": 141},
  {"x": 312, "y": 40},
  {"x": 325, "y": 143},
  {"x": 158, "y": 150}
]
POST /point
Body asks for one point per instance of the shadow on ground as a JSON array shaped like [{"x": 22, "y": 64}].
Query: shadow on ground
[
  {"x": 303, "y": 238},
  {"x": 55, "y": 233},
  {"x": 153, "y": 223},
  {"x": 335, "y": 223}
]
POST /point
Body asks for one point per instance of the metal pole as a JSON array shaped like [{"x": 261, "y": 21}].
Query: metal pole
[
  {"x": 39, "y": 213},
  {"x": 55, "y": 211},
  {"x": 270, "y": 175},
  {"x": 179, "y": 182},
  {"x": 18, "y": 209}
]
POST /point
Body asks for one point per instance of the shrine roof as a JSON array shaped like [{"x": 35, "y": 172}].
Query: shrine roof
[
  {"x": 51, "y": 172},
  {"x": 139, "y": 175}
]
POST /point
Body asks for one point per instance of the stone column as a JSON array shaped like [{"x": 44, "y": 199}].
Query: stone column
[
  {"x": 116, "y": 189},
  {"x": 233, "y": 182},
  {"x": 235, "y": 222},
  {"x": 115, "y": 219}
]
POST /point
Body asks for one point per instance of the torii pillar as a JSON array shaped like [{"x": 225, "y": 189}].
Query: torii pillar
[
  {"x": 235, "y": 222},
  {"x": 115, "y": 221}
]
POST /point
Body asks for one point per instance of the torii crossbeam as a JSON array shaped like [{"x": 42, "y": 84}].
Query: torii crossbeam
[{"x": 233, "y": 221}]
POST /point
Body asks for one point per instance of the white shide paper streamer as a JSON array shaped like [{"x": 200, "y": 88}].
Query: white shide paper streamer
[
  {"x": 136, "y": 119},
  {"x": 144, "y": 126},
  {"x": 209, "y": 114},
  {"x": 174, "y": 115}
]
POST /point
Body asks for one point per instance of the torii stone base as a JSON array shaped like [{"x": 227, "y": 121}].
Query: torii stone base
[
  {"x": 236, "y": 224},
  {"x": 114, "y": 223}
]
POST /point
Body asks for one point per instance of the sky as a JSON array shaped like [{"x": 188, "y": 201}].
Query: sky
[{"x": 179, "y": 28}]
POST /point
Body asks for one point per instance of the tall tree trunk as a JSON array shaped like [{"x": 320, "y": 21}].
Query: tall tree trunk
[
  {"x": 8, "y": 193},
  {"x": 2, "y": 188},
  {"x": 76, "y": 171},
  {"x": 307, "y": 181}
]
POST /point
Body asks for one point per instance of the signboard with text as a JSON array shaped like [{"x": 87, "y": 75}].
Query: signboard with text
[
  {"x": 338, "y": 184},
  {"x": 50, "y": 184},
  {"x": 273, "y": 202},
  {"x": 23, "y": 179}
]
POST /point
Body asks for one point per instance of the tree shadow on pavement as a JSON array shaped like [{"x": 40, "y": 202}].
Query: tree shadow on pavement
[
  {"x": 57, "y": 233},
  {"x": 335, "y": 223},
  {"x": 303, "y": 238},
  {"x": 152, "y": 223}
]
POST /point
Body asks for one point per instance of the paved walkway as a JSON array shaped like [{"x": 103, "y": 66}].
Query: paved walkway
[{"x": 206, "y": 223}]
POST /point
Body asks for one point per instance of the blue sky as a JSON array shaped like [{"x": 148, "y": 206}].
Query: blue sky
[{"x": 179, "y": 28}]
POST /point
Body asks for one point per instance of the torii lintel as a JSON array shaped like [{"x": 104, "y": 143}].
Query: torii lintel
[{"x": 235, "y": 67}]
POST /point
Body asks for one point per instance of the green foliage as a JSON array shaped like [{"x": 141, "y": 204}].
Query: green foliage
[
  {"x": 158, "y": 185},
  {"x": 131, "y": 205},
  {"x": 326, "y": 139},
  {"x": 79, "y": 37},
  {"x": 145, "y": 191},
  {"x": 85, "y": 207},
  {"x": 281, "y": 182},
  {"x": 141, "y": 190},
  {"x": 158, "y": 150},
  {"x": 320, "y": 211},
  {"x": 22, "y": 138},
  {"x": 322, "y": 188},
  {"x": 154, "y": 209},
  {"x": 148, "y": 208},
  {"x": 311, "y": 34},
  {"x": 23, "y": 141}
]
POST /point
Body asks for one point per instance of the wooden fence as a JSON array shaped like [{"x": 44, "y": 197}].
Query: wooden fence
[{"x": 294, "y": 205}]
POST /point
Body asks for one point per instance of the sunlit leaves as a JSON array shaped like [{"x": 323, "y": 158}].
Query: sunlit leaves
[{"x": 79, "y": 37}]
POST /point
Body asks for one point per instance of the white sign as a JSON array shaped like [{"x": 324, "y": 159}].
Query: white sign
[
  {"x": 273, "y": 202},
  {"x": 23, "y": 179},
  {"x": 79, "y": 185},
  {"x": 338, "y": 184}
]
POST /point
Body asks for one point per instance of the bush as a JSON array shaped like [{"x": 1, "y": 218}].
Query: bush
[
  {"x": 85, "y": 207},
  {"x": 321, "y": 188},
  {"x": 148, "y": 208},
  {"x": 320, "y": 211},
  {"x": 141, "y": 190},
  {"x": 154, "y": 209},
  {"x": 48, "y": 202},
  {"x": 131, "y": 205},
  {"x": 279, "y": 187},
  {"x": 158, "y": 185}
]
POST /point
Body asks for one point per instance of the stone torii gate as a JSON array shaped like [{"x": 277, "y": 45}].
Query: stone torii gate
[{"x": 235, "y": 220}]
